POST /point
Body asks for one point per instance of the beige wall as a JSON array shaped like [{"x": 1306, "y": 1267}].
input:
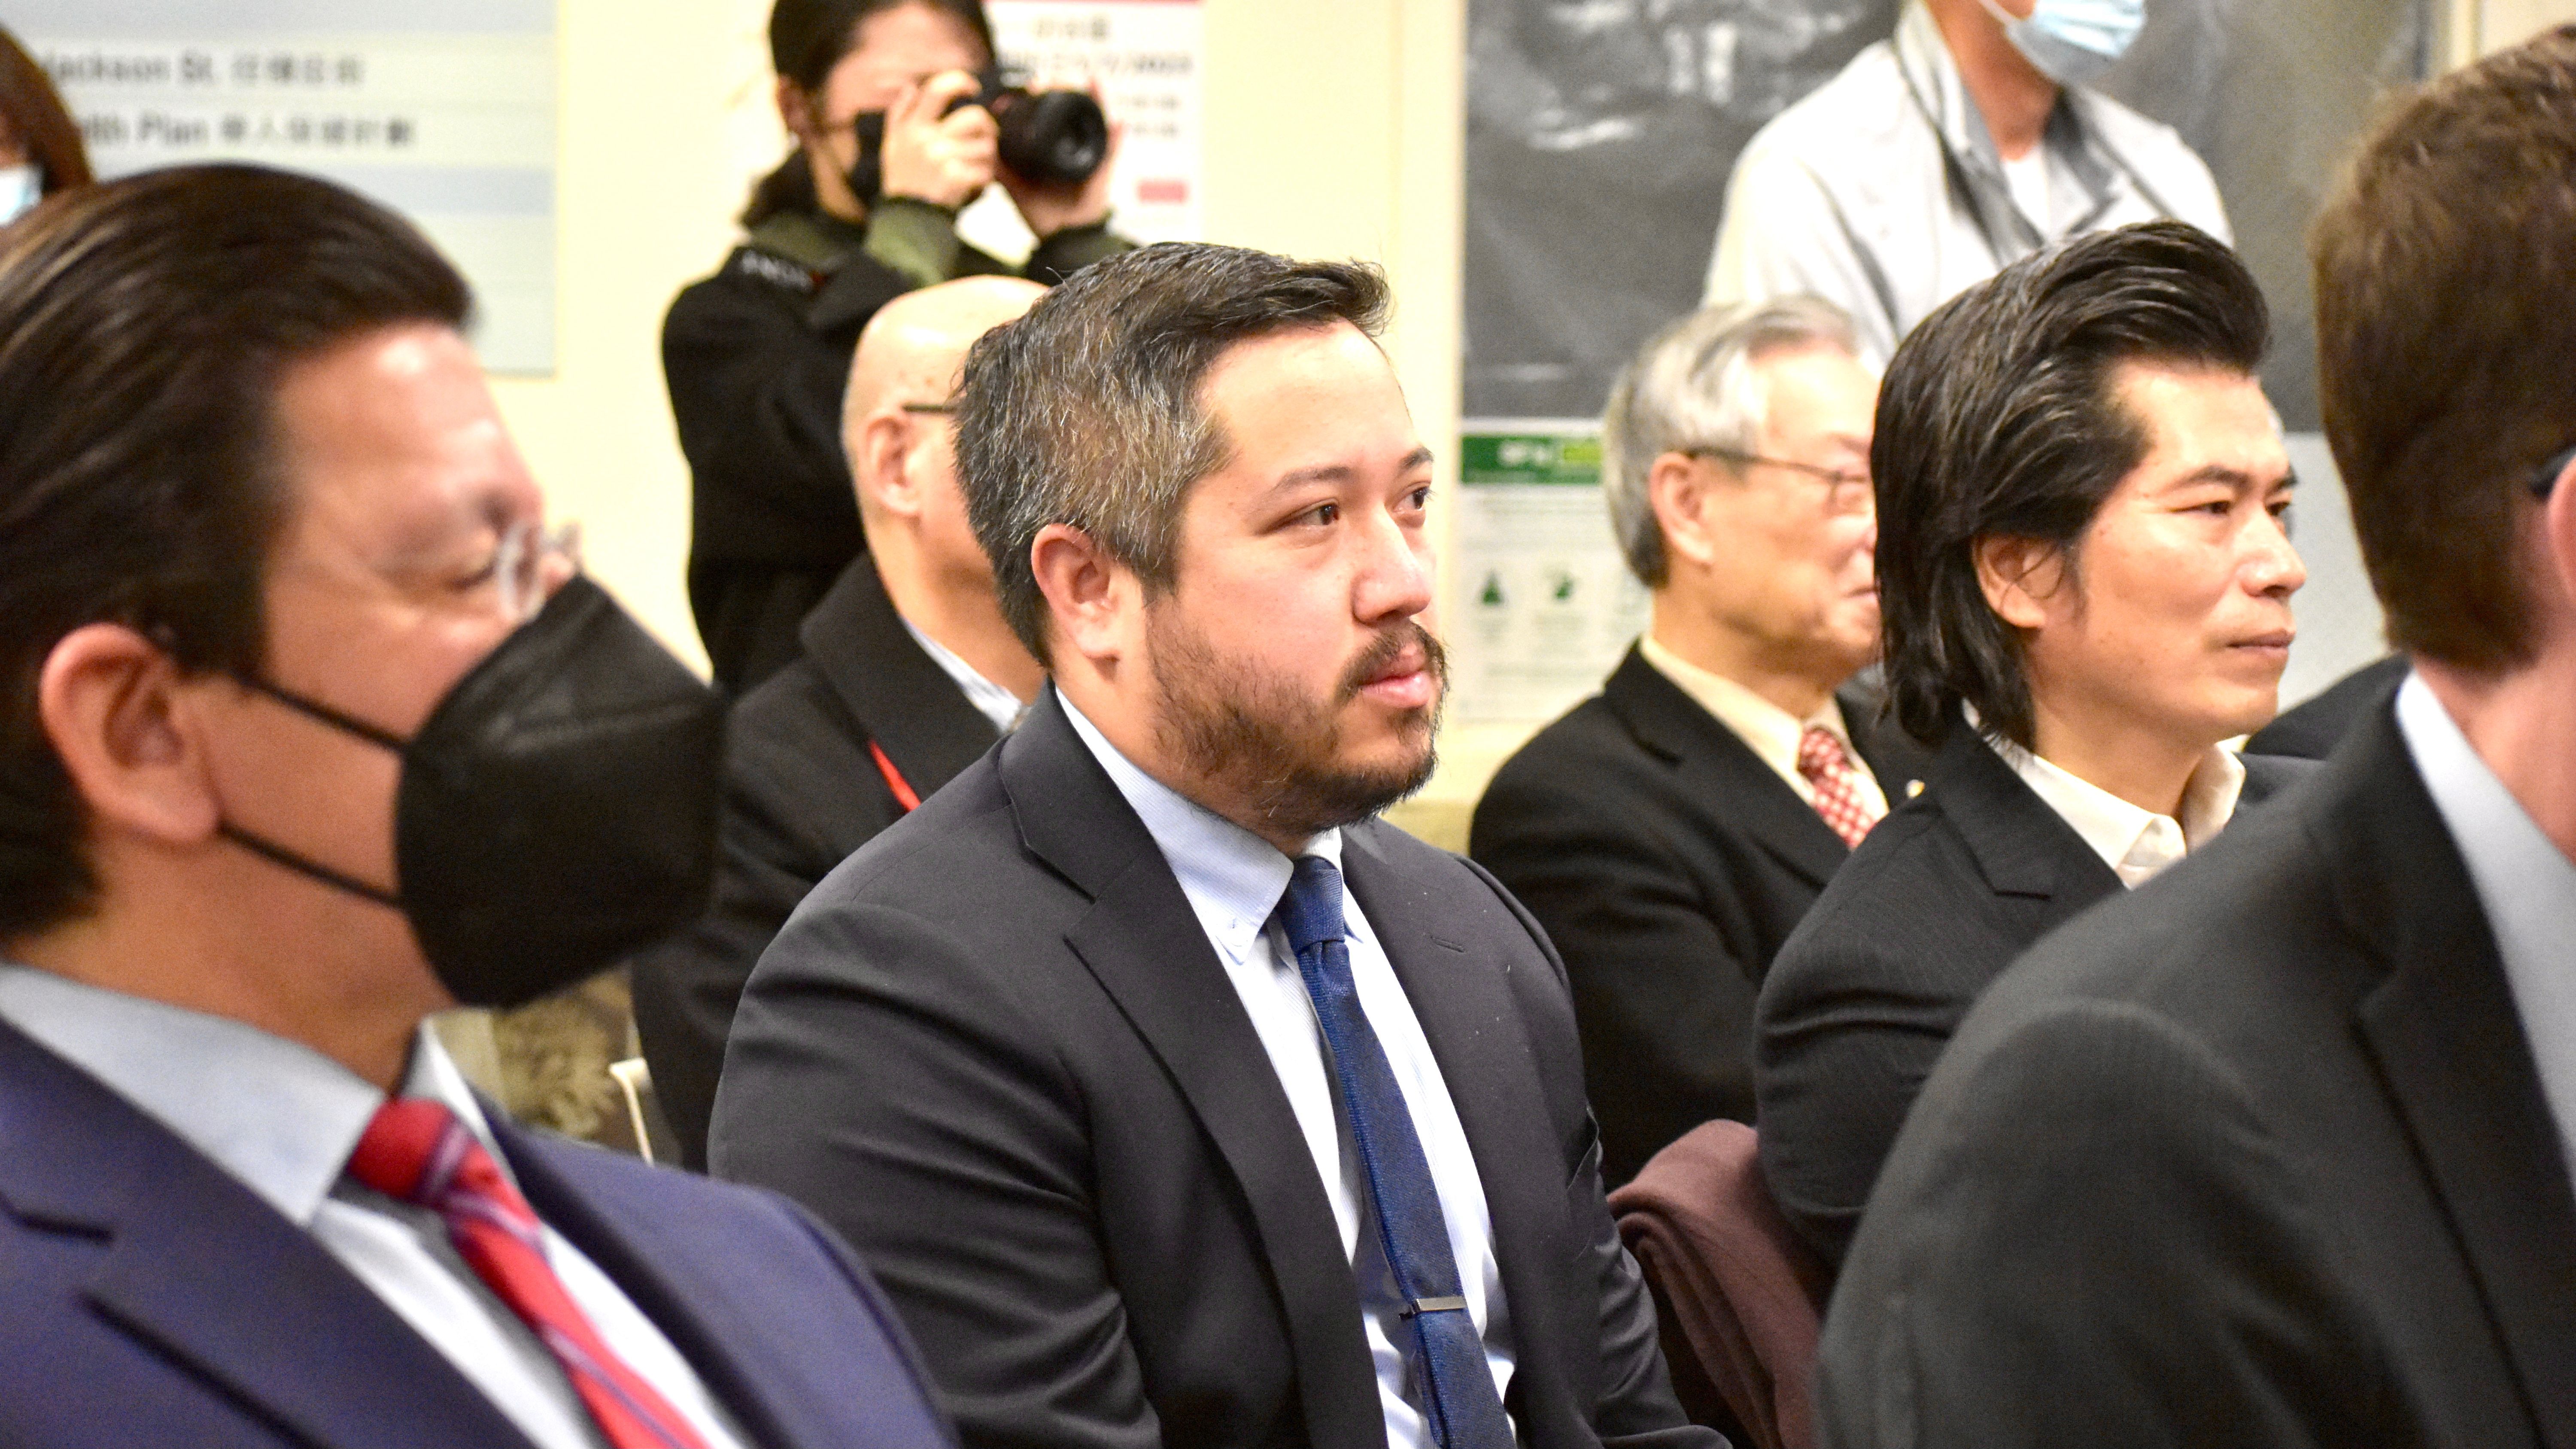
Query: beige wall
[
  {"x": 2482, "y": 27},
  {"x": 1332, "y": 129}
]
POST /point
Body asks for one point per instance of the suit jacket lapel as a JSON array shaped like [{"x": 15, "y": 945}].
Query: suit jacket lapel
[
  {"x": 1145, "y": 946},
  {"x": 1482, "y": 1044},
  {"x": 898, "y": 693},
  {"x": 2023, "y": 847},
  {"x": 720, "y": 1330},
  {"x": 2450, "y": 1044},
  {"x": 210, "y": 1274},
  {"x": 1718, "y": 767},
  {"x": 1894, "y": 759}
]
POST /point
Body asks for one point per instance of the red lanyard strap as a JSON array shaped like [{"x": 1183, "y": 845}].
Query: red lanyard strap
[{"x": 902, "y": 788}]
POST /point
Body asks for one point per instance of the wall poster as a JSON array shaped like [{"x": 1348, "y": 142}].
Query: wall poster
[
  {"x": 1148, "y": 56},
  {"x": 443, "y": 112}
]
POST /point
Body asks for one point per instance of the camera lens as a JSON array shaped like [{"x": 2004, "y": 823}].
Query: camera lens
[{"x": 1051, "y": 136}]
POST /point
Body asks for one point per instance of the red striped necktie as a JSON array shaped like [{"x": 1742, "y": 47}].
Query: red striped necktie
[{"x": 417, "y": 1151}]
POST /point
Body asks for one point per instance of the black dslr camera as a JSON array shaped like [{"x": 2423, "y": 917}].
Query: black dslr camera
[
  {"x": 1047, "y": 136},
  {"x": 1055, "y": 137}
]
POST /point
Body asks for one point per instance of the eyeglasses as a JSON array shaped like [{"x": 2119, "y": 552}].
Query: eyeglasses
[
  {"x": 2546, "y": 480},
  {"x": 521, "y": 565},
  {"x": 941, "y": 408},
  {"x": 1846, "y": 491}
]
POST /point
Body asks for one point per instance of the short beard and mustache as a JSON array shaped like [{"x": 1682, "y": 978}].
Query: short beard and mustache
[{"x": 1267, "y": 747}]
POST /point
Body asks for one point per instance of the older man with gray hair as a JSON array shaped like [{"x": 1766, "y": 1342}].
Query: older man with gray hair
[{"x": 1670, "y": 832}]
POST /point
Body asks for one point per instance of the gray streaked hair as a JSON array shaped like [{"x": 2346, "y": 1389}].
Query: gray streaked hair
[
  {"x": 1086, "y": 411},
  {"x": 1693, "y": 385}
]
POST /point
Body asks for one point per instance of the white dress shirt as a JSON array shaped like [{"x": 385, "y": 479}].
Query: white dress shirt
[
  {"x": 1234, "y": 881},
  {"x": 2525, "y": 883},
  {"x": 1770, "y": 732},
  {"x": 2135, "y": 842},
  {"x": 283, "y": 1119},
  {"x": 991, "y": 700}
]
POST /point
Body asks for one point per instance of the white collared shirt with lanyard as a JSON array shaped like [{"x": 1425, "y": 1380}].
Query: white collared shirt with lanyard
[{"x": 1882, "y": 191}]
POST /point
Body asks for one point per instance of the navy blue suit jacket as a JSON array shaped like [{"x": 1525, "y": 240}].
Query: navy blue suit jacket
[{"x": 147, "y": 1297}]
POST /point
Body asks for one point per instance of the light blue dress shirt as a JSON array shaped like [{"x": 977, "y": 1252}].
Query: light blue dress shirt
[
  {"x": 2525, "y": 883},
  {"x": 282, "y": 1119},
  {"x": 1234, "y": 881}
]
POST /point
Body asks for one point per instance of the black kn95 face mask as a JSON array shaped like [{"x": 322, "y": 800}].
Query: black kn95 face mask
[{"x": 557, "y": 810}]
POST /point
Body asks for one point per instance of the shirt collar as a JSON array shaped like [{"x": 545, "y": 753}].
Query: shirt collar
[
  {"x": 2526, "y": 884},
  {"x": 278, "y": 1116},
  {"x": 2135, "y": 842},
  {"x": 1772, "y": 733},
  {"x": 991, "y": 700},
  {"x": 1233, "y": 878}
]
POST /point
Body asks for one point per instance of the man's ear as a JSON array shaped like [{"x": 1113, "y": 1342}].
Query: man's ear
[
  {"x": 1677, "y": 489},
  {"x": 124, "y": 721},
  {"x": 1096, "y": 603},
  {"x": 877, "y": 445},
  {"x": 2558, "y": 527},
  {"x": 2019, "y": 577}
]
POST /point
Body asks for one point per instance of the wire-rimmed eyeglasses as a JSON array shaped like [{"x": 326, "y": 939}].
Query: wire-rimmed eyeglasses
[
  {"x": 522, "y": 564},
  {"x": 1846, "y": 490}
]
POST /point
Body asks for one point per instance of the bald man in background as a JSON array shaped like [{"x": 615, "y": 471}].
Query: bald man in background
[{"x": 906, "y": 673}]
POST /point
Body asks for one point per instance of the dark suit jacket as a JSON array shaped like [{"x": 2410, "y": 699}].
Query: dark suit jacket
[
  {"x": 801, "y": 793},
  {"x": 2256, "y": 1156},
  {"x": 1940, "y": 898},
  {"x": 2313, "y": 729},
  {"x": 996, "y": 1048},
  {"x": 152, "y": 1299},
  {"x": 1668, "y": 863}
]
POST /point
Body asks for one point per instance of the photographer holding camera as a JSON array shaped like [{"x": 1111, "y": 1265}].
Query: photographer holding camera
[{"x": 900, "y": 119}]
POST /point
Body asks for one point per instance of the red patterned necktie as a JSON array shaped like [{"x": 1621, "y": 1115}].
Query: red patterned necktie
[
  {"x": 419, "y": 1152},
  {"x": 1822, "y": 759}
]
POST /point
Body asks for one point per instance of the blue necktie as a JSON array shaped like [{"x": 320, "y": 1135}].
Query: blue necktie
[{"x": 1460, "y": 1402}]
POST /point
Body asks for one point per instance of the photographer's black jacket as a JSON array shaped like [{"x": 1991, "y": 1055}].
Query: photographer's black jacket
[{"x": 757, "y": 357}]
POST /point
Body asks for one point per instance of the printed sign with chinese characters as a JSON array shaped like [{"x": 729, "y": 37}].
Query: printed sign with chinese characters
[
  {"x": 445, "y": 113},
  {"x": 1147, "y": 56}
]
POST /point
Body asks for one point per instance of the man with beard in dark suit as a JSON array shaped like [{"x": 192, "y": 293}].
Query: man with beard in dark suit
[
  {"x": 903, "y": 675},
  {"x": 2276, "y": 1151},
  {"x": 1179, "y": 1100},
  {"x": 1671, "y": 831}
]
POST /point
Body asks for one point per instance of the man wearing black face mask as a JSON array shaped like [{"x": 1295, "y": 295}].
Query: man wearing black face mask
[
  {"x": 861, "y": 212},
  {"x": 309, "y": 731}
]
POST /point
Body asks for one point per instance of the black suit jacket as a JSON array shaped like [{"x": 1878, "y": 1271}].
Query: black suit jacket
[
  {"x": 1668, "y": 863},
  {"x": 1940, "y": 898},
  {"x": 2313, "y": 729},
  {"x": 2257, "y": 1156},
  {"x": 997, "y": 1049},
  {"x": 801, "y": 793}
]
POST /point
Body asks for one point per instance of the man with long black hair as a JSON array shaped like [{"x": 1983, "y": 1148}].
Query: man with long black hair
[
  {"x": 2276, "y": 1151},
  {"x": 2084, "y": 578}
]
